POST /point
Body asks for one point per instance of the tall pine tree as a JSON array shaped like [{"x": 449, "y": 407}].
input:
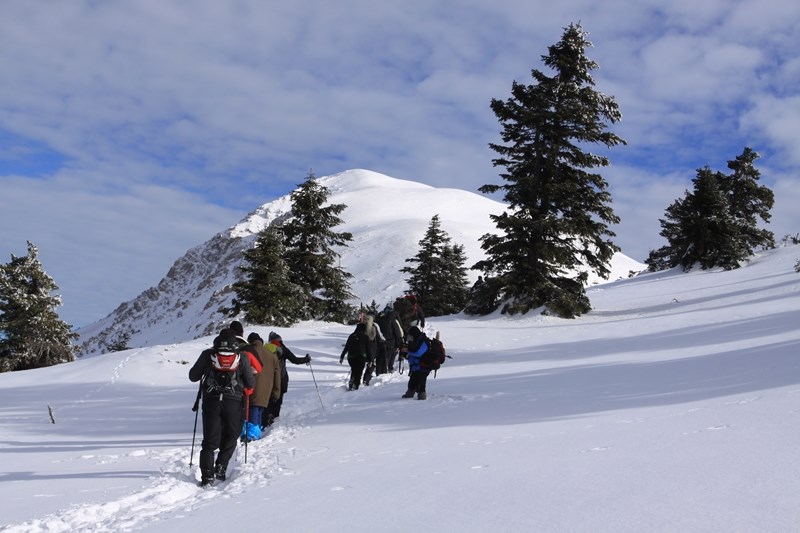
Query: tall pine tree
[
  {"x": 439, "y": 279},
  {"x": 266, "y": 295},
  {"x": 559, "y": 209},
  {"x": 716, "y": 225},
  {"x": 31, "y": 333},
  {"x": 313, "y": 264}
]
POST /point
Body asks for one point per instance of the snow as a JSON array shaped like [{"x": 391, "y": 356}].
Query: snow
[{"x": 673, "y": 406}]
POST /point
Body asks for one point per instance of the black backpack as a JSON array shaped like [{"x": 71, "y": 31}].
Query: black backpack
[{"x": 435, "y": 355}]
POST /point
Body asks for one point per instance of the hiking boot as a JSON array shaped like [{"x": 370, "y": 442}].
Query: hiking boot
[
  {"x": 408, "y": 394},
  {"x": 422, "y": 395},
  {"x": 219, "y": 472},
  {"x": 207, "y": 482}
]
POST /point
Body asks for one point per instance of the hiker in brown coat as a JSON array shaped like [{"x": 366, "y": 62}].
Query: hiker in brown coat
[{"x": 268, "y": 383}]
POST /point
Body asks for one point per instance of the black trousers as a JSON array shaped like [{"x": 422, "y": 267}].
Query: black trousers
[
  {"x": 418, "y": 380},
  {"x": 391, "y": 353},
  {"x": 274, "y": 407},
  {"x": 356, "y": 370},
  {"x": 222, "y": 424}
]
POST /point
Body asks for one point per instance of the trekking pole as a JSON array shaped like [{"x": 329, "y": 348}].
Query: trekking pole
[
  {"x": 315, "y": 384},
  {"x": 246, "y": 420},
  {"x": 196, "y": 409}
]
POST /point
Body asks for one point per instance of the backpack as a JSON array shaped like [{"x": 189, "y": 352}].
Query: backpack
[
  {"x": 435, "y": 356},
  {"x": 223, "y": 376}
]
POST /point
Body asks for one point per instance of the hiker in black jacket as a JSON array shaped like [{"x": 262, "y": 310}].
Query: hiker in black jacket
[
  {"x": 389, "y": 323},
  {"x": 357, "y": 351},
  {"x": 376, "y": 348},
  {"x": 223, "y": 402}
]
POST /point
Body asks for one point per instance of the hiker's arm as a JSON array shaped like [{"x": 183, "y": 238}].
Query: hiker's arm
[
  {"x": 398, "y": 333},
  {"x": 248, "y": 379},
  {"x": 287, "y": 354},
  {"x": 416, "y": 354},
  {"x": 200, "y": 367}
]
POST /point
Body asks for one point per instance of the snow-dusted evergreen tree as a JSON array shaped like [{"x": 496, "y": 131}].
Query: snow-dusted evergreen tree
[
  {"x": 313, "y": 264},
  {"x": 439, "y": 279},
  {"x": 715, "y": 225},
  {"x": 31, "y": 333},
  {"x": 266, "y": 295},
  {"x": 559, "y": 208},
  {"x": 747, "y": 202}
]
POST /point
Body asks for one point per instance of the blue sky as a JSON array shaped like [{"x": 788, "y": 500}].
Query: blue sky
[{"x": 130, "y": 132}]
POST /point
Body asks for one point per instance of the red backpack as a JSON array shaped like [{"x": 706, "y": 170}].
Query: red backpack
[
  {"x": 223, "y": 375},
  {"x": 435, "y": 355}
]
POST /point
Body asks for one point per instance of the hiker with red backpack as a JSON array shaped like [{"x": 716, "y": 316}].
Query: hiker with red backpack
[
  {"x": 417, "y": 315},
  {"x": 223, "y": 374}
]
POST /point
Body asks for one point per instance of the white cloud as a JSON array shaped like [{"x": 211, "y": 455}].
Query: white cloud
[{"x": 232, "y": 103}]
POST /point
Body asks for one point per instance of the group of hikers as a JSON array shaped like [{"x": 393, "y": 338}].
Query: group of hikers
[
  {"x": 243, "y": 381},
  {"x": 242, "y": 384},
  {"x": 380, "y": 340}
]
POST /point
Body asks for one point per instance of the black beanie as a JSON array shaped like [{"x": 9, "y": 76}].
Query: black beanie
[
  {"x": 226, "y": 340},
  {"x": 254, "y": 337},
  {"x": 237, "y": 328}
]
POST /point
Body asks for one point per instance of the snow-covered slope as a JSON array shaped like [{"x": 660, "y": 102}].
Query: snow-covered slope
[
  {"x": 673, "y": 406},
  {"x": 387, "y": 217}
]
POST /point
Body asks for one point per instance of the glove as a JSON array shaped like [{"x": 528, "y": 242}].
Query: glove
[
  {"x": 307, "y": 359},
  {"x": 341, "y": 360}
]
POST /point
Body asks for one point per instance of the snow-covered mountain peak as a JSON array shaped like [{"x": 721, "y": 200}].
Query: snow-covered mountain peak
[{"x": 387, "y": 217}]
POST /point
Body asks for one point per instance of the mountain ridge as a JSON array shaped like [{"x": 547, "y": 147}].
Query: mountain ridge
[{"x": 387, "y": 217}]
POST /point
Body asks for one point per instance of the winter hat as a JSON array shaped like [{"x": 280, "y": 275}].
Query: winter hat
[
  {"x": 226, "y": 340},
  {"x": 274, "y": 337},
  {"x": 414, "y": 331},
  {"x": 254, "y": 337},
  {"x": 237, "y": 328}
]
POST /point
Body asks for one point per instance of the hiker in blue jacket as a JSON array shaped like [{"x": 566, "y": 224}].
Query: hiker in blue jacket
[{"x": 417, "y": 376}]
